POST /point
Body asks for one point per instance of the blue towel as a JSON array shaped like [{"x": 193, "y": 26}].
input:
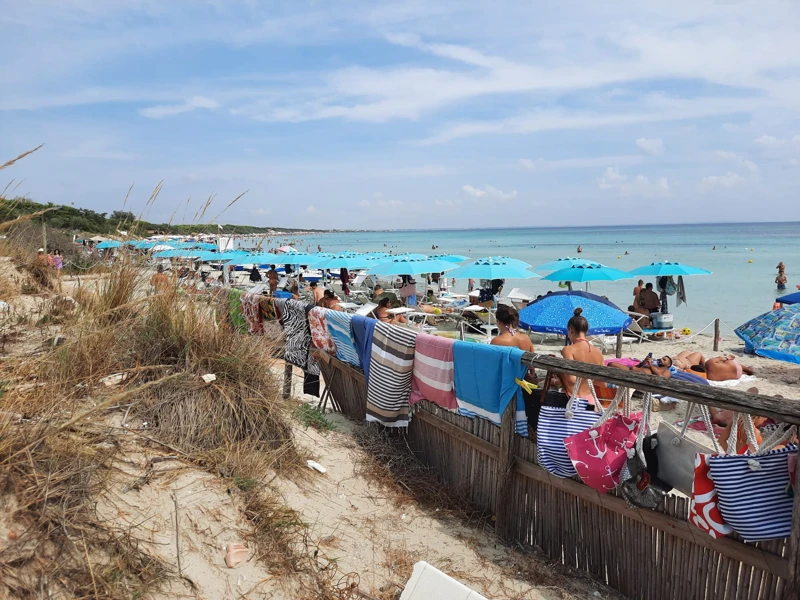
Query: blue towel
[
  {"x": 339, "y": 327},
  {"x": 687, "y": 376},
  {"x": 484, "y": 380},
  {"x": 363, "y": 328}
]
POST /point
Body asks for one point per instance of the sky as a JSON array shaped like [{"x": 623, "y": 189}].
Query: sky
[{"x": 407, "y": 114}]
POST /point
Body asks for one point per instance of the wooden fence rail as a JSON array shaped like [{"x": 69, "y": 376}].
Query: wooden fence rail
[{"x": 647, "y": 554}]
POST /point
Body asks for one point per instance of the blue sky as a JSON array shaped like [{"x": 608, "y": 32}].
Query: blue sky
[{"x": 408, "y": 114}]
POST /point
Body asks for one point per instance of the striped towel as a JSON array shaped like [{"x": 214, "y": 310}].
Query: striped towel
[
  {"x": 389, "y": 384},
  {"x": 433, "y": 371},
  {"x": 339, "y": 329},
  {"x": 362, "y": 329},
  {"x": 484, "y": 380},
  {"x": 320, "y": 336}
]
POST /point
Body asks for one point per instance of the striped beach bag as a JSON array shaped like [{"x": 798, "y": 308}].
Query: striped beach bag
[
  {"x": 754, "y": 489},
  {"x": 556, "y": 424}
]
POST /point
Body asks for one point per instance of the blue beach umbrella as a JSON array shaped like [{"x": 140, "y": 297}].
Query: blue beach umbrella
[
  {"x": 262, "y": 258},
  {"x": 348, "y": 261},
  {"x": 666, "y": 269},
  {"x": 775, "y": 334},
  {"x": 587, "y": 273},
  {"x": 564, "y": 263},
  {"x": 408, "y": 255},
  {"x": 790, "y": 299},
  {"x": 550, "y": 313},
  {"x": 454, "y": 258},
  {"x": 492, "y": 268},
  {"x": 108, "y": 244},
  {"x": 298, "y": 258},
  {"x": 410, "y": 266},
  {"x": 514, "y": 261},
  {"x": 184, "y": 253}
]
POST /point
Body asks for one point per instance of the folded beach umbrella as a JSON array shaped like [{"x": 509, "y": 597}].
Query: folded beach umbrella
[
  {"x": 492, "y": 268},
  {"x": 775, "y": 334},
  {"x": 790, "y": 299},
  {"x": 108, "y": 244},
  {"x": 551, "y": 313},
  {"x": 564, "y": 263},
  {"x": 401, "y": 265},
  {"x": 454, "y": 258}
]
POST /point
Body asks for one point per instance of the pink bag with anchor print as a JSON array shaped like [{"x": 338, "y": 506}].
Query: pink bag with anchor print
[{"x": 600, "y": 452}]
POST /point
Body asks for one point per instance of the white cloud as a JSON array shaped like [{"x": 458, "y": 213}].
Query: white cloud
[
  {"x": 447, "y": 203},
  {"x": 97, "y": 149},
  {"x": 171, "y": 110},
  {"x": 653, "y": 146},
  {"x": 590, "y": 162},
  {"x": 311, "y": 209},
  {"x": 613, "y": 180},
  {"x": 769, "y": 141},
  {"x": 489, "y": 192},
  {"x": 364, "y": 204},
  {"x": 739, "y": 160},
  {"x": 727, "y": 181}
]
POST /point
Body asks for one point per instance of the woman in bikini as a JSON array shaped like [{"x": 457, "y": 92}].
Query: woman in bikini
[
  {"x": 580, "y": 349},
  {"x": 507, "y": 324}
]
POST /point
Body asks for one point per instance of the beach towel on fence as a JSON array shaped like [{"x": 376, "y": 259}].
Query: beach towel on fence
[
  {"x": 251, "y": 311},
  {"x": 237, "y": 320},
  {"x": 484, "y": 381},
  {"x": 320, "y": 337},
  {"x": 433, "y": 377},
  {"x": 297, "y": 341},
  {"x": 269, "y": 318},
  {"x": 704, "y": 507},
  {"x": 390, "y": 367},
  {"x": 312, "y": 366},
  {"x": 339, "y": 328},
  {"x": 362, "y": 329}
]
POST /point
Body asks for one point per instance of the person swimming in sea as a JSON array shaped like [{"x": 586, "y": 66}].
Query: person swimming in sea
[
  {"x": 580, "y": 249},
  {"x": 781, "y": 280}
]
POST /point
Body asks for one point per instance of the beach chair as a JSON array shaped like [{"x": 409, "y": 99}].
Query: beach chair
[
  {"x": 357, "y": 283},
  {"x": 609, "y": 342},
  {"x": 518, "y": 299},
  {"x": 366, "y": 310},
  {"x": 636, "y": 330}
]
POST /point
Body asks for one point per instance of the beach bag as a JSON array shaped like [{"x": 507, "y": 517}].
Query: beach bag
[
  {"x": 753, "y": 488},
  {"x": 676, "y": 453},
  {"x": 555, "y": 424},
  {"x": 599, "y": 453},
  {"x": 639, "y": 482},
  {"x": 704, "y": 506}
]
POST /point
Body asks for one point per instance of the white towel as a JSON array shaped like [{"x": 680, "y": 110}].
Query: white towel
[{"x": 729, "y": 383}]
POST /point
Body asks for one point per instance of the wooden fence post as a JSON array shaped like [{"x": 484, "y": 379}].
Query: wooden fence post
[
  {"x": 505, "y": 463},
  {"x": 619, "y": 344},
  {"x": 716, "y": 335},
  {"x": 287, "y": 380}
]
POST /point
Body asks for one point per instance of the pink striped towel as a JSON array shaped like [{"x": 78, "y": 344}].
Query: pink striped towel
[{"x": 433, "y": 371}]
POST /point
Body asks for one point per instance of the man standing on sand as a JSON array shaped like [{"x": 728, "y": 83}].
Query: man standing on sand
[
  {"x": 649, "y": 299},
  {"x": 637, "y": 291},
  {"x": 272, "y": 276}
]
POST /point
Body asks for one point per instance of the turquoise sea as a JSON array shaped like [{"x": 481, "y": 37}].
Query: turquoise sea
[{"x": 736, "y": 291}]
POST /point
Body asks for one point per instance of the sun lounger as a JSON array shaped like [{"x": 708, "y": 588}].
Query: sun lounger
[
  {"x": 366, "y": 309},
  {"x": 636, "y": 330},
  {"x": 609, "y": 342}
]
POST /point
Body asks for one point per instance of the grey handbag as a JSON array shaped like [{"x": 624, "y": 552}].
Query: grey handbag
[{"x": 676, "y": 453}]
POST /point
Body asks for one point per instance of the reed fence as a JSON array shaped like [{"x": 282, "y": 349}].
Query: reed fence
[{"x": 647, "y": 554}]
